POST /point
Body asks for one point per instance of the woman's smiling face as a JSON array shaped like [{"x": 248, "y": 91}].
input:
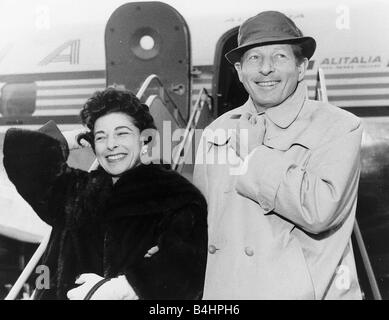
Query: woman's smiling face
[{"x": 117, "y": 142}]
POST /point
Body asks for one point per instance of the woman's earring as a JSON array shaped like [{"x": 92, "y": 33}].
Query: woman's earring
[
  {"x": 144, "y": 150},
  {"x": 144, "y": 158}
]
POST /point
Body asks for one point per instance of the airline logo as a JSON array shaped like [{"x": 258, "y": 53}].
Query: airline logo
[
  {"x": 352, "y": 80},
  {"x": 68, "y": 52},
  {"x": 352, "y": 62}
]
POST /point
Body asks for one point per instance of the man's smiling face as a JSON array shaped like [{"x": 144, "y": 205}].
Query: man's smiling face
[{"x": 270, "y": 73}]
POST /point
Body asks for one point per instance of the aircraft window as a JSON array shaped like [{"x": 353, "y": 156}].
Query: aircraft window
[
  {"x": 18, "y": 99},
  {"x": 147, "y": 42}
]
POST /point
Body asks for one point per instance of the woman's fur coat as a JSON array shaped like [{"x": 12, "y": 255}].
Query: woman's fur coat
[{"x": 107, "y": 229}]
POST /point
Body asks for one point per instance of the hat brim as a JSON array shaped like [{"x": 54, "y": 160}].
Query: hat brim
[{"x": 308, "y": 45}]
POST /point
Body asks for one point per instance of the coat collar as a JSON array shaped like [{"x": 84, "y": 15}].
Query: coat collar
[
  {"x": 287, "y": 123},
  {"x": 285, "y": 113},
  {"x": 151, "y": 189},
  {"x": 280, "y": 118}
]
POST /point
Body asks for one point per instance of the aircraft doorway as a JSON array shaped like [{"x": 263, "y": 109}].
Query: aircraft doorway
[{"x": 228, "y": 92}]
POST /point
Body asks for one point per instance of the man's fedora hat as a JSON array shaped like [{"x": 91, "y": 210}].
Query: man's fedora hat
[{"x": 270, "y": 27}]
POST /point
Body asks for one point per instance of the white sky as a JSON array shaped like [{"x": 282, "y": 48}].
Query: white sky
[
  {"x": 19, "y": 19},
  {"x": 21, "y": 14}
]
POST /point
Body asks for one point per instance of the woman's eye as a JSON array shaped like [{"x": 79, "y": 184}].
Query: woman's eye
[
  {"x": 99, "y": 138},
  {"x": 123, "y": 133}
]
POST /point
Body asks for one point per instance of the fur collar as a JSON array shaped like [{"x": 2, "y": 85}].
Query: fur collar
[{"x": 151, "y": 189}]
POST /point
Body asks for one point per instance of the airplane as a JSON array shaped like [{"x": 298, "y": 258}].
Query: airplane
[
  {"x": 56, "y": 57},
  {"x": 54, "y": 68}
]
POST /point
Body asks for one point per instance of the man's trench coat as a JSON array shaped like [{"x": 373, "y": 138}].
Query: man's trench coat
[{"x": 280, "y": 222}]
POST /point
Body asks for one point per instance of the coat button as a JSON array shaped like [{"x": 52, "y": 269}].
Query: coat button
[
  {"x": 249, "y": 251},
  {"x": 212, "y": 249}
]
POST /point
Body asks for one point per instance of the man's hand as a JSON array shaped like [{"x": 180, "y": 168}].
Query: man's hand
[
  {"x": 250, "y": 133},
  {"x": 71, "y": 139}
]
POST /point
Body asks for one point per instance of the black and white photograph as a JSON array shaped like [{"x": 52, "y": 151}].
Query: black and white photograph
[{"x": 211, "y": 151}]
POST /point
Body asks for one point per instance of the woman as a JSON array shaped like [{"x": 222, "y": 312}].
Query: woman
[{"x": 142, "y": 227}]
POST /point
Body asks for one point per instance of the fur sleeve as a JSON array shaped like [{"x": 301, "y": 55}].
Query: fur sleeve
[
  {"x": 177, "y": 270},
  {"x": 33, "y": 161}
]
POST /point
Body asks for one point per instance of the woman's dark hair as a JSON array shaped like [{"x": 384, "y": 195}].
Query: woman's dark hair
[{"x": 114, "y": 100}]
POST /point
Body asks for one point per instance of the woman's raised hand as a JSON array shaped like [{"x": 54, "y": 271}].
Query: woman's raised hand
[{"x": 71, "y": 138}]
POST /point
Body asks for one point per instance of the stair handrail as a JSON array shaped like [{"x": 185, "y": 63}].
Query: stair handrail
[
  {"x": 321, "y": 87},
  {"x": 321, "y": 94},
  {"x": 162, "y": 94},
  {"x": 192, "y": 123}
]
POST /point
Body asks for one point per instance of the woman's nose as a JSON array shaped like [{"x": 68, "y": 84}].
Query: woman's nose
[{"x": 111, "y": 143}]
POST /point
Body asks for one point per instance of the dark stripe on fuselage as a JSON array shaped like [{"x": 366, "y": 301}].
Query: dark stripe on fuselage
[
  {"x": 359, "y": 97},
  {"x": 64, "y": 97},
  {"x": 370, "y": 111},
  {"x": 60, "y": 107},
  {"x": 349, "y": 75},
  {"x": 26, "y": 120},
  {"x": 71, "y": 86},
  {"x": 76, "y": 75},
  {"x": 355, "y": 86}
]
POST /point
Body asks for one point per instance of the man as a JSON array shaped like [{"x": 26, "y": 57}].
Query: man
[{"x": 281, "y": 183}]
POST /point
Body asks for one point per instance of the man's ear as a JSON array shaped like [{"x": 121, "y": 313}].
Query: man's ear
[
  {"x": 302, "y": 69},
  {"x": 238, "y": 68}
]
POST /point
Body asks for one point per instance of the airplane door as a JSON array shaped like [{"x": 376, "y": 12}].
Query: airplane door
[{"x": 146, "y": 38}]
